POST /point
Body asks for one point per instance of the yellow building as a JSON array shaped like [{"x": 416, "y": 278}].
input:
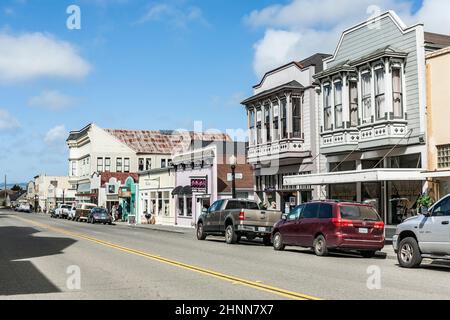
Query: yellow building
[{"x": 438, "y": 115}]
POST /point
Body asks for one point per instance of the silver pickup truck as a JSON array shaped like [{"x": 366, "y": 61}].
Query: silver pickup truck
[
  {"x": 424, "y": 236},
  {"x": 235, "y": 218}
]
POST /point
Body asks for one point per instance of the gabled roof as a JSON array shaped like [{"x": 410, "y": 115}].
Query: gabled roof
[
  {"x": 162, "y": 142},
  {"x": 287, "y": 86}
]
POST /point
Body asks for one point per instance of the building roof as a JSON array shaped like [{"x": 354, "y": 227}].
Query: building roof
[
  {"x": 437, "y": 40},
  {"x": 75, "y": 135},
  {"x": 17, "y": 195},
  {"x": 162, "y": 142},
  {"x": 287, "y": 86},
  {"x": 315, "y": 60}
]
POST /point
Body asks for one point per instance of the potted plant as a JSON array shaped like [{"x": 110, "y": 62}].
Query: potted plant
[{"x": 424, "y": 203}]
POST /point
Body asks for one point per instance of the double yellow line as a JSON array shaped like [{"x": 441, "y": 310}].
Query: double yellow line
[{"x": 235, "y": 280}]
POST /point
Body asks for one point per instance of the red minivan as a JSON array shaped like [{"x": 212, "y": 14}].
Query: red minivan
[{"x": 330, "y": 225}]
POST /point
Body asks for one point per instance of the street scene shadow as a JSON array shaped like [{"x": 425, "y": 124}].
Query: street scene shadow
[
  {"x": 22, "y": 277},
  {"x": 338, "y": 254}
]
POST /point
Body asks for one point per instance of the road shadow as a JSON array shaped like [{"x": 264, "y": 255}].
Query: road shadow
[
  {"x": 338, "y": 254},
  {"x": 22, "y": 277}
]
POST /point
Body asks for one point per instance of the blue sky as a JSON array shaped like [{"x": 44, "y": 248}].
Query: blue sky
[{"x": 139, "y": 64}]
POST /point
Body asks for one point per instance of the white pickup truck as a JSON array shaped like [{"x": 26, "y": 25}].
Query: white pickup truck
[{"x": 62, "y": 212}]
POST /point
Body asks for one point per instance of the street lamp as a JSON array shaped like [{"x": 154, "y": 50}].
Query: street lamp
[{"x": 233, "y": 163}]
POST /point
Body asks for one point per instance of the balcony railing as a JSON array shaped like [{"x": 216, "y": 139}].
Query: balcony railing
[{"x": 276, "y": 150}]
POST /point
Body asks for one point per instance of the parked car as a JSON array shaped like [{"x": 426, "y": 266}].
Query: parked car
[
  {"x": 72, "y": 213},
  {"x": 235, "y": 218},
  {"x": 62, "y": 211},
  {"x": 24, "y": 207},
  {"x": 83, "y": 210},
  {"x": 424, "y": 236},
  {"x": 100, "y": 215},
  {"x": 331, "y": 225}
]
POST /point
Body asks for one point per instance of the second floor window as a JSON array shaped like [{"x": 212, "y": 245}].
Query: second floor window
[
  {"x": 119, "y": 164},
  {"x": 284, "y": 119},
  {"x": 366, "y": 96},
  {"x": 141, "y": 164},
  {"x": 163, "y": 163},
  {"x": 74, "y": 168},
  {"x": 338, "y": 120},
  {"x": 126, "y": 165},
  {"x": 296, "y": 118},
  {"x": 397, "y": 92},
  {"x": 267, "y": 123},
  {"x": 258, "y": 127},
  {"x": 251, "y": 116},
  {"x": 148, "y": 164},
  {"x": 353, "y": 90},
  {"x": 380, "y": 93},
  {"x": 327, "y": 117},
  {"x": 276, "y": 124},
  {"x": 107, "y": 164},
  {"x": 99, "y": 164}
]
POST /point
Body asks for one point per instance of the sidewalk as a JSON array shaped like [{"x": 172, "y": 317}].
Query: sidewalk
[{"x": 157, "y": 227}]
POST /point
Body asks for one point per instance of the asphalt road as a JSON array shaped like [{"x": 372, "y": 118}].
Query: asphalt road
[{"x": 41, "y": 258}]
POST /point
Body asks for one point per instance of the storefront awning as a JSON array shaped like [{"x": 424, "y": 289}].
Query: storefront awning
[
  {"x": 437, "y": 174},
  {"x": 177, "y": 191},
  {"x": 187, "y": 191},
  {"x": 374, "y": 175}
]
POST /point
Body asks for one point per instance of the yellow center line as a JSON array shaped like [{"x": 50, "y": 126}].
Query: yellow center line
[{"x": 229, "y": 278}]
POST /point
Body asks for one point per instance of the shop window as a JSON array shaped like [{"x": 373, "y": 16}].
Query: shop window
[
  {"x": 402, "y": 199},
  {"x": 343, "y": 192},
  {"x": 189, "y": 206},
  {"x": 353, "y": 88},
  {"x": 397, "y": 92},
  {"x": 296, "y": 118},
  {"x": 443, "y": 156},
  {"x": 338, "y": 120},
  {"x": 380, "y": 93},
  {"x": 327, "y": 116},
  {"x": 180, "y": 209}
]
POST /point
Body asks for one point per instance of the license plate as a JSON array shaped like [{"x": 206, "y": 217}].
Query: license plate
[
  {"x": 363, "y": 230},
  {"x": 262, "y": 229}
]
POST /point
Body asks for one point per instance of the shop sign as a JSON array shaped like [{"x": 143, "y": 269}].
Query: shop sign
[
  {"x": 238, "y": 176},
  {"x": 199, "y": 184}
]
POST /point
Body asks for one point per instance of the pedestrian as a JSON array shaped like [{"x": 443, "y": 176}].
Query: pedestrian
[
  {"x": 114, "y": 212},
  {"x": 119, "y": 211}
]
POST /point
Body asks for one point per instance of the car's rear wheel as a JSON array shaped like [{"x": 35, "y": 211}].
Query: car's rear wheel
[
  {"x": 320, "y": 246},
  {"x": 230, "y": 235},
  {"x": 278, "y": 244},
  {"x": 409, "y": 255},
  {"x": 368, "y": 254},
  {"x": 201, "y": 235}
]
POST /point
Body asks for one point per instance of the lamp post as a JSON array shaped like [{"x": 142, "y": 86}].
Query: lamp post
[{"x": 233, "y": 163}]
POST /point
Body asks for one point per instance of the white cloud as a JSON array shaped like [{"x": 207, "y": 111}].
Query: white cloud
[
  {"x": 56, "y": 135},
  {"x": 34, "y": 55},
  {"x": 52, "y": 100},
  {"x": 7, "y": 121},
  {"x": 175, "y": 16},
  {"x": 306, "y": 27}
]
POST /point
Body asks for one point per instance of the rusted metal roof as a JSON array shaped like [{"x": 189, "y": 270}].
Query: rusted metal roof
[{"x": 162, "y": 142}]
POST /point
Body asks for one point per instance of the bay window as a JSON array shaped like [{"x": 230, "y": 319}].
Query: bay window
[
  {"x": 252, "y": 126},
  {"x": 397, "y": 92},
  {"x": 338, "y": 120},
  {"x": 267, "y": 123},
  {"x": 296, "y": 118},
  {"x": 380, "y": 93},
  {"x": 276, "y": 118},
  {"x": 353, "y": 91},
  {"x": 258, "y": 126},
  {"x": 284, "y": 119},
  {"x": 328, "y": 121},
  {"x": 366, "y": 96}
]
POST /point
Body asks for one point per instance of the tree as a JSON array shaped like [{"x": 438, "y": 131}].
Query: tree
[{"x": 16, "y": 188}]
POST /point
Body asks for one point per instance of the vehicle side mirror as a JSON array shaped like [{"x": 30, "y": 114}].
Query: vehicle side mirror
[{"x": 284, "y": 217}]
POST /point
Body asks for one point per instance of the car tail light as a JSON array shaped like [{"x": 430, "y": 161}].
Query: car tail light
[
  {"x": 379, "y": 225},
  {"x": 338, "y": 222},
  {"x": 242, "y": 215}
]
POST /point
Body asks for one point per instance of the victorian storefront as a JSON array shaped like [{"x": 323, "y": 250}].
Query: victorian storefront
[
  {"x": 372, "y": 118},
  {"x": 203, "y": 176},
  {"x": 282, "y": 117}
]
